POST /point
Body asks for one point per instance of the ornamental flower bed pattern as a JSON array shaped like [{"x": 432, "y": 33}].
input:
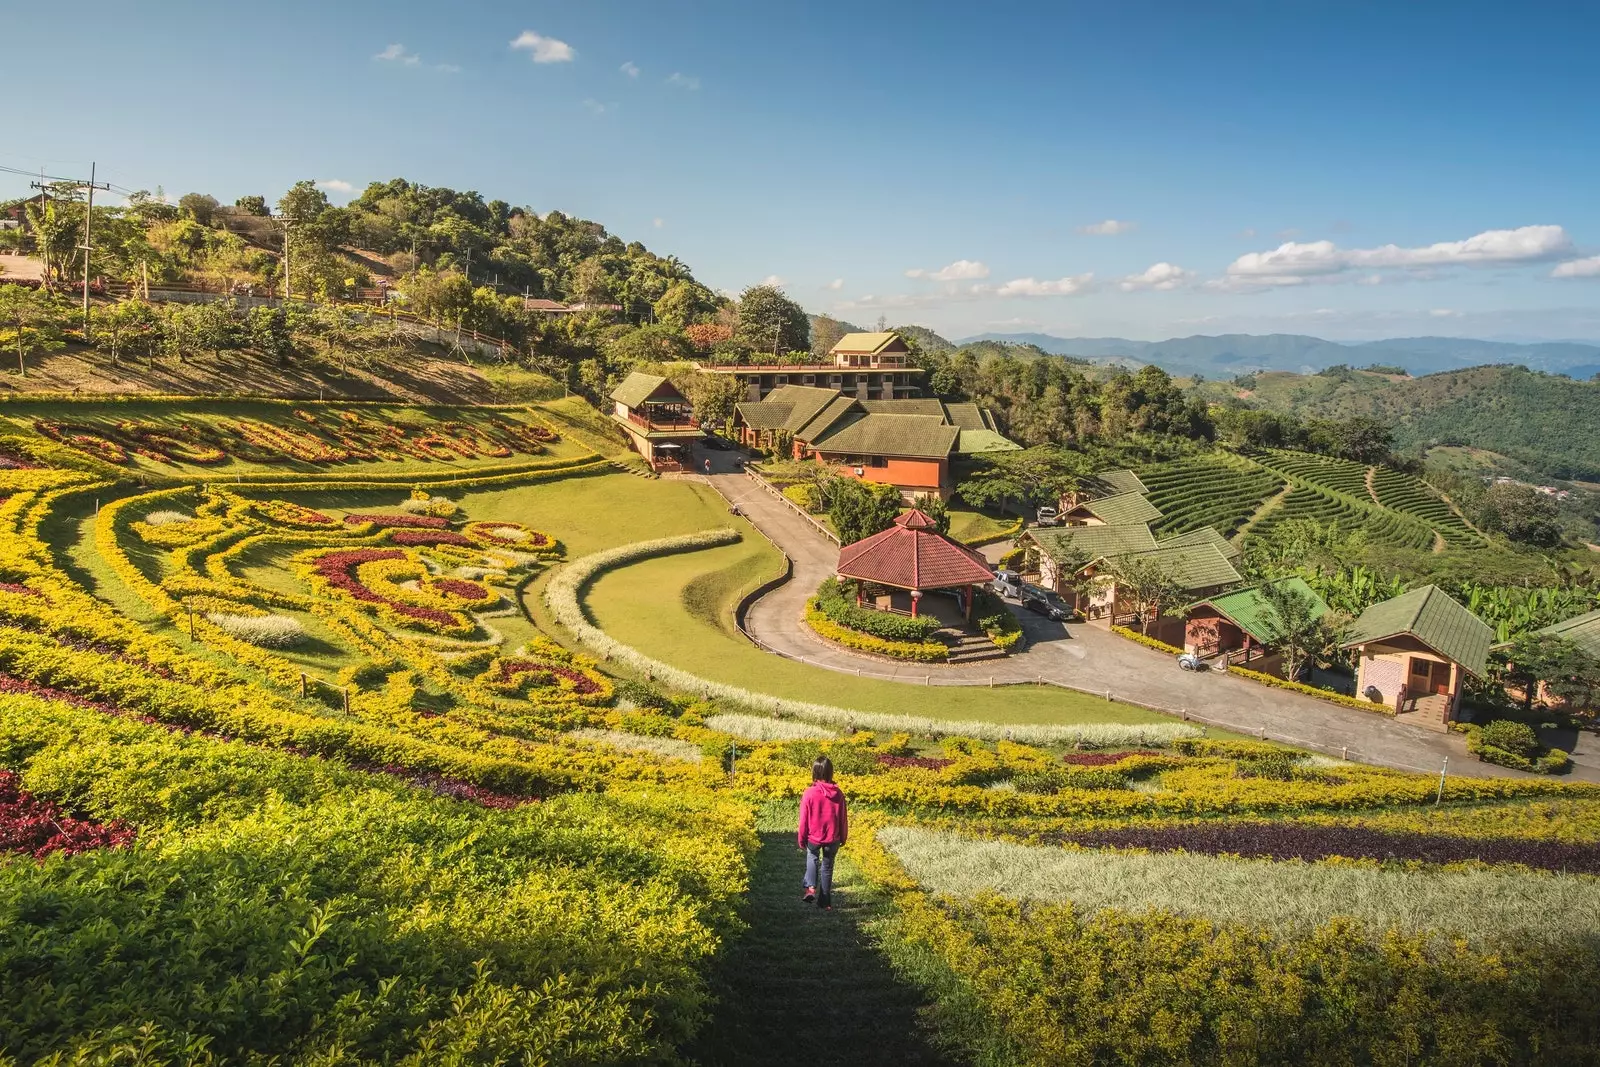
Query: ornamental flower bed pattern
[
  {"x": 1292, "y": 841},
  {"x": 1102, "y": 759},
  {"x": 418, "y": 522},
  {"x": 37, "y": 827},
  {"x": 338, "y": 570},
  {"x": 512, "y": 535},
  {"x": 428, "y": 538},
  {"x": 926, "y": 763},
  {"x": 461, "y": 587}
]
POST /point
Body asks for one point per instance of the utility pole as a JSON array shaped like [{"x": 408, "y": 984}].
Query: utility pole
[{"x": 88, "y": 217}]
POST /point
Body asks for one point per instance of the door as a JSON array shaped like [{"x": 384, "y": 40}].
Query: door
[{"x": 1428, "y": 677}]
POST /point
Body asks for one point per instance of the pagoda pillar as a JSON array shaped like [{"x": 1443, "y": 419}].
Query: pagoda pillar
[{"x": 916, "y": 595}]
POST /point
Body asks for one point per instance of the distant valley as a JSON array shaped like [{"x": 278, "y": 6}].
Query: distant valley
[{"x": 1233, "y": 354}]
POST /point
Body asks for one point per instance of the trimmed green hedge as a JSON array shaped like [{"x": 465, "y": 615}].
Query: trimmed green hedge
[{"x": 839, "y": 606}]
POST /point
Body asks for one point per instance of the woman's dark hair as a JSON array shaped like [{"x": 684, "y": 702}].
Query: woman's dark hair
[{"x": 822, "y": 770}]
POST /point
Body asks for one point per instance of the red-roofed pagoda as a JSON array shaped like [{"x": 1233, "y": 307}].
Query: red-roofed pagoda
[{"x": 914, "y": 556}]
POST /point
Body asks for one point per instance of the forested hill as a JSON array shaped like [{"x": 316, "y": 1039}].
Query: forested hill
[{"x": 1549, "y": 422}]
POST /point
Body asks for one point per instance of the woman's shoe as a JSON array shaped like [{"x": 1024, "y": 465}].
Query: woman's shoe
[
  {"x": 825, "y": 901},
  {"x": 809, "y": 896}
]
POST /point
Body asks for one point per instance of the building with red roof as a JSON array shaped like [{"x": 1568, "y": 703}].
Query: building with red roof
[{"x": 914, "y": 557}]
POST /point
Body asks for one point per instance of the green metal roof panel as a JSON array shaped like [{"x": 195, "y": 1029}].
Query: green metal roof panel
[
  {"x": 967, "y": 416},
  {"x": 827, "y": 418},
  {"x": 805, "y": 402},
  {"x": 863, "y": 343},
  {"x": 1432, "y": 617},
  {"x": 972, "y": 442},
  {"x": 1255, "y": 615},
  {"x": 1583, "y": 631},
  {"x": 1205, "y": 535},
  {"x": 764, "y": 414},
  {"x": 1193, "y": 567},
  {"x": 637, "y": 387},
  {"x": 1121, "y": 481},
  {"x": 916, "y": 436},
  {"x": 1123, "y": 509},
  {"x": 1065, "y": 543}
]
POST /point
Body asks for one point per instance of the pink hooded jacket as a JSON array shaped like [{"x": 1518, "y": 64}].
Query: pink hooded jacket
[{"x": 823, "y": 817}]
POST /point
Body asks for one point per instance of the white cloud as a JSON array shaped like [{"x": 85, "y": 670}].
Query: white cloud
[
  {"x": 1159, "y": 276},
  {"x": 336, "y": 185},
  {"x": 960, "y": 270},
  {"x": 1294, "y": 262},
  {"x": 544, "y": 49},
  {"x": 396, "y": 53},
  {"x": 658, "y": 223},
  {"x": 1578, "y": 268},
  {"x": 835, "y": 285},
  {"x": 630, "y": 68},
  {"x": 595, "y": 107},
  {"x": 773, "y": 280},
  {"x": 1071, "y": 285},
  {"x": 1108, "y": 228},
  {"x": 684, "y": 81},
  {"x": 1444, "y": 313}
]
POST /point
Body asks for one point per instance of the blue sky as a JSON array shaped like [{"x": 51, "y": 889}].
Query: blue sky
[{"x": 1352, "y": 170}]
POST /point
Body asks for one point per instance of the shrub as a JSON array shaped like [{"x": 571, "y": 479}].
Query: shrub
[
  {"x": 755, "y": 728},
  {"x": 263, "y": 631},
  {"x": 1517, "y": 738},
  {"x": 648, "y": 725},
  {"x": 166, "y": 518},
  {"x": 804, "y": 494},
  {"x": 839, "y": 606},
  {"x": 920, "y": 652}
]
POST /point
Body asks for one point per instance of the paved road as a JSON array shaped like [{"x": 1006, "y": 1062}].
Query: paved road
[{"x": 1089, "y": 658}]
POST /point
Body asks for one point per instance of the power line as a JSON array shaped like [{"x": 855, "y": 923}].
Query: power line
[{"x": 88, "y": 220}]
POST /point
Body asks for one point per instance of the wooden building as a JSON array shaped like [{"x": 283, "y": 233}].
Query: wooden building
[
  {"x": 1244, "y": 626},
  {"x": 658, "y": 419},
  {"x": 1414, "y": 653}
]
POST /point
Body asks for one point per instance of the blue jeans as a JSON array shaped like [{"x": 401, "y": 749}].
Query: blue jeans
[{"x": 819, "y": 867}]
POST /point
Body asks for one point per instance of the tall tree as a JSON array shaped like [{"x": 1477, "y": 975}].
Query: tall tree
[
  {"x": 860, "y": 509},
  {"x": 123, "y": 327},
  {"x": 30, "y": 321},
  {"x": 771, "y": 322},
  {"x": 1146, "y": 583},
  {"x": 1304, "y": 635}
]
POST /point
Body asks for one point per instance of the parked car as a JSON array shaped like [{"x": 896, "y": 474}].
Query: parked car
[
  {"x": 1048, "y": 516},
  {"x": 1041, "y": 606},
  {"x": 1008, "y": 583}
]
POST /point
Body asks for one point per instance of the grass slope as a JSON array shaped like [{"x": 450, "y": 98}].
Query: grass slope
[{"x": 804, "y": 987}]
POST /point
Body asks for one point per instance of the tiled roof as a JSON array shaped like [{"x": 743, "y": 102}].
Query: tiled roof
[
  {"x": 1583, "y": 631},
  {"x": 1122, "y": 509},
  {"x": 966, "y": 416},
  {"x": 859, "y": 343},
  {"x": 805, "y": 402},
  {"x": 909, "y": 405},
  {"x": 1253, "y": 614},
  {"x": 1206, "y": 535},
  {"x": 1193, "y": 567},
  {"x": 916, "y": 436},
  {"x": 820, "y": 423},
  {"x": 764, "y": 414},
  {"x": 638, "y": 387},
  {"x": 1065, "y": 543},
  {"x": 912, "y": 555},
  {"x": 1121, "y": 481},
  {"x": 1432, "y": 617},
  {"x": 971, "y": 442}
]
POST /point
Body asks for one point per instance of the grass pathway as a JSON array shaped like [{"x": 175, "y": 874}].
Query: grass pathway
[{"x": 806, "y": 987}]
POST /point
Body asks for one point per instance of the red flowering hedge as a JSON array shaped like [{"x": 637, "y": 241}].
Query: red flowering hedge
[
  {"x": 338, "y": 570},
  {"x": 424, "y": 538},
  {"x": 461, "y": 587},
  {"x": 389, "y": 522},
  {"x": 37, "y": 827},
  {"x": 927, "y": 763},
  {"x": 1102, "y": 759}
]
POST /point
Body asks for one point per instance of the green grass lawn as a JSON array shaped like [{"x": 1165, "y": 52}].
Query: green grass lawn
[
  {"x": 660, "y": 606},
  {"x": 969, "y": 525}
]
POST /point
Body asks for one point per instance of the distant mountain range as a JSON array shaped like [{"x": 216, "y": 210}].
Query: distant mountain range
[{"x": 1235, "y": 354}]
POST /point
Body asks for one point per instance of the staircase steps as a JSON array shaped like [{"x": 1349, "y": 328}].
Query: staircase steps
[{"x": 971, "y": 648}]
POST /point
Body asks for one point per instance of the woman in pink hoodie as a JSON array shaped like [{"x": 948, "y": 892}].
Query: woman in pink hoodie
[{"x": 824, "y": 826}]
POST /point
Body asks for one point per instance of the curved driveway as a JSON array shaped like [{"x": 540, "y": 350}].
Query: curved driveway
[{"x": 1093, "y": 660}]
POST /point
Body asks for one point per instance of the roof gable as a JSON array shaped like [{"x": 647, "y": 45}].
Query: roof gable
[
  {"x": 1122, "y": 509},
  {"x": 1069, "y": 544},
  {"x": 1582, "y": 630},
  {"x": 1205, "y": 535},
  {"x": 1193, "y": 567},
  {"x": 1431, "y": 616},
  {"x": 913, "y": 436},
  {"x": 639, "y": 387},
  {"x": 912, "y": 555},
  {"x": 869, "y": 343},
  {"x": 1119, "y": 481},
  {"x": 805, "y": 402},
  {"x": 1255, "y": 615}
]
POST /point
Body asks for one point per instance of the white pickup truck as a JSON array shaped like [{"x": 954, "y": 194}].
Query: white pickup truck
[{"x": 1047, "y": 516}]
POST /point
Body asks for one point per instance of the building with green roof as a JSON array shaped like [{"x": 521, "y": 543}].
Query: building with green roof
[
  {"x": 1415, "y": 651},
  {"x": 1581, "y": 630},
  {"x": 1118, "y": 509},
  {"x": 658, "y": 419},
  {"x": 1244, "y": 621}
]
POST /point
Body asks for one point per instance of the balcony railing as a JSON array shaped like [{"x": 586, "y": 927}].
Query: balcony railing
[{"x": 664, "y": 421}]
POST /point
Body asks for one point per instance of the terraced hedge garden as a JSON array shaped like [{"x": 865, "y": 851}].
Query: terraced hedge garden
[{"x": 419, "y": 825}]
